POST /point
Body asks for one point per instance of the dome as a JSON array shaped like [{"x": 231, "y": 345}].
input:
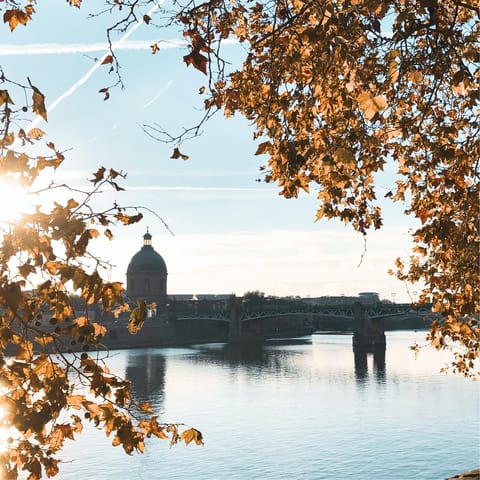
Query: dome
[{"x": 147, "y": 259}]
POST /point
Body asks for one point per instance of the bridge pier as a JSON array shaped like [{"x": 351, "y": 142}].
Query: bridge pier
[
  {"x": 241, "y": 331},
  {"x": 368, "y": 333},
  {"x": 235, "y": 326}
]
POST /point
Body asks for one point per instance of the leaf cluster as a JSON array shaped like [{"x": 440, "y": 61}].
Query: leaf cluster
[{"x": 337, "y": 91}]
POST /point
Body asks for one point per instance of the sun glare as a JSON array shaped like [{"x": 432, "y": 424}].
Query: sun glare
[{"x": 13, "y": 200}]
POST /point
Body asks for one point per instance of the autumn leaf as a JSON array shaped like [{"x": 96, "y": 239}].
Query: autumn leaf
[
  {"x": 36, "y": 133},
  {"x": 192, "y": 435},
  {"x": 76, "y": 401},
  {"x": 113, "y": 173},
  {"x": 106, "y": 93},
  {"x": 38, "y": 102},
  {"x": 5, "y": 97},
  {"x": 198, "y": 60},
  {"x": 137, "y": 317},
  {"x": 108, "y": 59},
  {"x": 25, "y": 351},
  {"x": 177, "y": 154},
  {"x": 128, "y": 219},
  {"x": 263, "y": 147},
  {"x": 344, "y": 155},
  {"x": 44, "y": 339},
  {"x": 117, "y": 187},
  {"x": 146, "y": 19},
  {"x": 26, "y": 269},
  {"x": 371, "y": 105},
  {"x": 145, "y": 407},
  {"x": 155, "y": 48},
  {"x": 16, "y": 17},
  {"x": 51, "y": 466},
  {"x": 98, "y": 176}
]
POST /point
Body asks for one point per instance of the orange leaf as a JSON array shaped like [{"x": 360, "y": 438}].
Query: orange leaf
[
  {"x": 263, "y": 147},
  {"x": 15, "y": 17},
  {"x": 107, "y": 59},
  {"x": 75, "y": 401},
  {"x": 5, "y": 97},
  {"x": 198, "y": 60}
]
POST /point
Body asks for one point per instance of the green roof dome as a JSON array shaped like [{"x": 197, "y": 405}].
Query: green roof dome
[{"x": 147, "y": 259}]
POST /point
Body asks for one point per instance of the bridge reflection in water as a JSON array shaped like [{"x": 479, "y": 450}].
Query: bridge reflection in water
[{"x": 361, "y": 364}]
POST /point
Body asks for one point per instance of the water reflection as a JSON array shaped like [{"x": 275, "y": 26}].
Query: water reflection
[
  {"x": 361, "y": 365},
  {"x": 249, "y": 355},
  {"x": 276, "y": 357},
  {"x": 146, "y": 370},
  {"x": 245, "y": 396}
]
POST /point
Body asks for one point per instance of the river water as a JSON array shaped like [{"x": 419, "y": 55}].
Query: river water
[{"x": 293, "y": 409}]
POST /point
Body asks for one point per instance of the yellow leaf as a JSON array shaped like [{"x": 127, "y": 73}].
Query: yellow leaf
[
  {"x": 36, "y": 133},
  {"x": 137, "y": 317},
  {"x": 44, "y": 339},
  {"x": 192, "y": 435}
]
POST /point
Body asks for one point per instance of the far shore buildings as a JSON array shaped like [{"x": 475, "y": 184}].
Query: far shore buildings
[{"x": 147, "y": 276}]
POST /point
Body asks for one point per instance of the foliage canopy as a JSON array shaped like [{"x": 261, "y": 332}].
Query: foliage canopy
[{"x": 336, "y": 90}]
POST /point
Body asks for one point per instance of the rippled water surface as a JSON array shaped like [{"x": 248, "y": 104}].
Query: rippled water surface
[{"x": 297, "y": 409}]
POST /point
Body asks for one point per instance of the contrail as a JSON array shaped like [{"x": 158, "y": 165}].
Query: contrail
[
  {"x": 98, "y": 64},
  {"x": 69, "y": 48},
  {"x": 157, "y": 96}
]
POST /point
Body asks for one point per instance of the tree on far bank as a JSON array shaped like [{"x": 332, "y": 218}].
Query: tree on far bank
[{"x": 336, "y": 91}]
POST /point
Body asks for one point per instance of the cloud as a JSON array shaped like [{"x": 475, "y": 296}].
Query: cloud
[{"x": 279, "y": 262}]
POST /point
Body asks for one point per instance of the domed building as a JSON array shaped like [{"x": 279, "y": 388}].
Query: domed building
[{"x": 147, "y": 273}]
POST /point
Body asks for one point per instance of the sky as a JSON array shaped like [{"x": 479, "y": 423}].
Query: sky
[{"x": 231, "y": 234}]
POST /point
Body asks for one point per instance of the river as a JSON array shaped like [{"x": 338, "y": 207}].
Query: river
[{"x": 293, "y": 409}]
